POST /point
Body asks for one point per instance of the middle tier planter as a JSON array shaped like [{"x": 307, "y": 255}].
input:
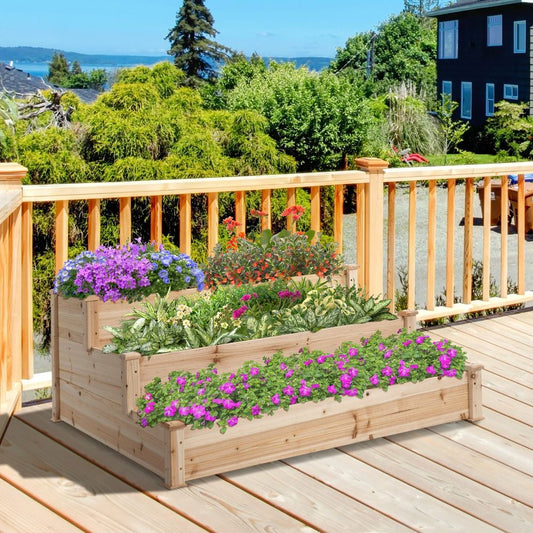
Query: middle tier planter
[{"x": 96, "y": 393}]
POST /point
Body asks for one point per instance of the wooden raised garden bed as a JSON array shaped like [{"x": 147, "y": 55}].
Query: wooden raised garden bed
[{"x": 95, "y": 392}]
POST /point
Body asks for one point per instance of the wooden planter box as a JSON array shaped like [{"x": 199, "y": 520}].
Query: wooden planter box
[{"x": 95, "y": 392}]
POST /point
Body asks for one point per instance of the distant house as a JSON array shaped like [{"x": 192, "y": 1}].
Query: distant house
[
  {"x": 14, "y": 80},
  {"x": 485, "y": 54}
]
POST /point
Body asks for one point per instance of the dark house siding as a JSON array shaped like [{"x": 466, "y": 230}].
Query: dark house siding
[{"x": 481, "y": 64}]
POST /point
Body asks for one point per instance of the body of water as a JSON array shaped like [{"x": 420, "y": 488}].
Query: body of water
[{"x": 40, "y": 70}]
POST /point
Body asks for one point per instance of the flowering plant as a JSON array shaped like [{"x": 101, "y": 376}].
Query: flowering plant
[
  {"x": 247, "y": 312},
  {"x": 127, "y": 272},
  {"x": 204, "y": 398},
  {"x": 270, "y": 256}
]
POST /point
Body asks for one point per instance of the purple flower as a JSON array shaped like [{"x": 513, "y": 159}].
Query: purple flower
[
  {"x": 147, "y": 396},
  {"x": 227, "y": 387},
  {"x": 233, "y": 421},
  {"x": 392, "y": 380},
  {"x": 239, "y": 312},
  {"x": 374, "y": 379},
  {"x": 346, "y": 381},
  {"x": 184, "y": 411},
  {"x": 431, "y": 370},
  {"x": 421, "y": 339},
  {"x": 305, "y": 390},
  {"x": 450, "y": 373},
  {"x": 444, "y": 362},
  {"x": 275, "y": 399},
  {"x": 309, "y": 362},
  {"x": 144, "y": 422},
  {"x": 407, "y": 342},
  {"x": 170, "y": 410},
  {"x": 254, "y": 371},
  {"x": 150, "y": 406},
  {"x": 332, "y": 389},
  {"x": 320, "y": 359},
  {"x": 246, "y": 297},
  {"x": 289, "y": 373},
  {"x": 288, "y": 391},
  {"x": 201, "y": 392},
  {"x": 352, "y": 352},
  {"x": 387, "y": 371},
  {"x": 350, "y": 392},
  {"x": 256, "y": 410},
  {"x": 353, "y": 372},
  {"x": 387, "y": 354}
]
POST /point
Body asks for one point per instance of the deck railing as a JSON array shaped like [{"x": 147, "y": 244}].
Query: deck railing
[{"x": 433, "y": 251}]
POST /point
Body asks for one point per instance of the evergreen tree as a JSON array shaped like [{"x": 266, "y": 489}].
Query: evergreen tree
[
  {"x": 58, "y": 69},
  {"x": 419, "y": 7},
  {"x": 76, "y": 67},
  {"x": 194, "y": 50}
]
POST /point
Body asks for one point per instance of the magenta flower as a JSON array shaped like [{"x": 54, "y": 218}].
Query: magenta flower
[
  {"x": 147, "y": 396},
  {"x": 332, "y": 389},
  {"x": 387, "y": 354},
  {"x": 233, "y": 421},
  {"x": 170, "y": 410},
  {"x": 387, "y": 371},
  {"x": 293, "y": 400},
  {"x": 352, "y": 352},
  {"x": 246, "y": 297},
  {"x": 144, "y": 422},
  {"x": 374, "y": 379},
  {"x": 254, "y": 371},
  {"x": 239, "y": 312},
  {"x": 450, "y": 373},
  {"x": 444, "y": 362},
  {"x": 431, "y": 370},
  {"x": 288, "y": 391},
  {"x": 392, "y": 380},
  {"x": 289, "y": 373},
  {"x": 320, "y": 359},
  {"x": 256, "y": 410},
  {"x": 350, "y": 392},
  {"x": 407, "y": 342},
  {"x": 346, "y": 381},
  {"x": 227, "y": 387},
  {"x": 150, "y": 406},
  {"x": 184, "y": 411},
  {"x": 275, "y": 399},
  {"x": 305, "y": 390}
]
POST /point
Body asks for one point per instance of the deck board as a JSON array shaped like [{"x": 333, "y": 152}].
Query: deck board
[{"x": 458, "y": 476}]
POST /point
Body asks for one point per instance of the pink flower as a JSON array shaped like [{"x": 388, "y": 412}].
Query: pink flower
[
  {"x": 387, "y": 371},
  {"x": 431, "y": 370},
  {"x": 150, "y": 406},
  {"x": 332, "y": 389},
  {"x": 374, "y": 379},
  {"x": 275, "y": 399},
  {"x": 256, "y": 410},
  {"x": 233, "y": 421}
]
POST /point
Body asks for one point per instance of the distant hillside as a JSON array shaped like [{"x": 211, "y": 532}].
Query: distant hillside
[{"x": 30, "y": 54}]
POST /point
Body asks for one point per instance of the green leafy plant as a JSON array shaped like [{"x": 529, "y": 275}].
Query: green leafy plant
[
  {"x": 205, "y": 398},
  {"x": 247, "y": 312}
]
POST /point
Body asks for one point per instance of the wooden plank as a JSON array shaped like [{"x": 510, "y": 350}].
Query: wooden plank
[
  {"x": 27, "y": 292},
  {"x": 124, "y": 221},
  {"x": 411, "y": 248},
  {"x": 508, "y": 406},
  {"x": 468, "y": 240},
  {"x": 432, "y": 243},
  {"x": 86, "y": 495},
  {"x": 315, "y": 210},
  {"x": 61, "y": 233},
  {"x": 212, "y": 221},
  {"x": 25, "y": 514},
  {"x": 469, "y": 463},
  {"x": 360, "y": 232},
  {"x": 384, "y": 493},
  {"x": 185, "y": 224},
  {"x": 211, "y": 502},
  {"x": 507, "y": 427},
  {"x": 266, "y": 207},
  {"x": 486, "y": 238},
  {"x": 338, "y": 217},
  {"x": 450, "y": 244},
  {"x": 156, "y": 219},
  {"x": 442, "y": 483},
  {"x": 291, "y": 201},
  {"x": 298, "y": 494},
  {"x": 240, "y": 210},
  {"x": 504, "y": 229},
  {"x": 93, "y": 223},
  {"x": 481, "y": 440},
  {"x": 391, "y": 244}
]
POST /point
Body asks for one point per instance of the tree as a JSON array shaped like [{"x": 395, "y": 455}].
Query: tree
[
  {"x": 419, "y": 7},
  {"x": 58, "y": 69},
  {"x": 452, "y": 130},
  {"x": 194, "y": 51}
]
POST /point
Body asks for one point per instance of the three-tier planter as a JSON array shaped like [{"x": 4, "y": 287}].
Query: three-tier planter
[{"x": 96, "y": 393}]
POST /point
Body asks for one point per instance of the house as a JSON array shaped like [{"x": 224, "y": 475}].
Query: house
[
  {"x": 485, "y": 54},
  {"x": 14, "y": 80}
]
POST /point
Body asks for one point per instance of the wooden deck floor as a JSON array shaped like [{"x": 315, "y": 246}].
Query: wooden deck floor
[{"x": 458, "y": 477}]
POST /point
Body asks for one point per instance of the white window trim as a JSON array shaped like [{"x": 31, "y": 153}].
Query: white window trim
[
  {"x": 494, "y": 30},
  {"x": 464, "y": 85},
  {"x": 510, "y": 91},
  {"x": 489, "y": 102},
  {"x": 446, "y": 28},
  {"x": 517, "y": 49}
]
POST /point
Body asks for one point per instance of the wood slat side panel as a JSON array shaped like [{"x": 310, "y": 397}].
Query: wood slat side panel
[
  {"x": 185, "y": 214},
  {"x": 411, "y": 252},
  {"x": 450, "y": 243}
]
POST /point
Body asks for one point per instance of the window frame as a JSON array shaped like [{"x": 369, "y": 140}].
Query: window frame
[
  {"x": 464, "y": 94},
  {"x": 517, "y": 33},
  {"x": 514, "y": 91},
  {"x": 489, "y": 101},
  {"x": 494, "y": 30},
  {"x": 448, "y": 29}
]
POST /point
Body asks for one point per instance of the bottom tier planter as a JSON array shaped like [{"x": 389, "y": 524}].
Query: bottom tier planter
[{"x": 96, "y": 392}]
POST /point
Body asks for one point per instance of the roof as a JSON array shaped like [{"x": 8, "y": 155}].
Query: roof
[
  {"x": 470, "y": 5},
  {"x": 17, "y": 81}
]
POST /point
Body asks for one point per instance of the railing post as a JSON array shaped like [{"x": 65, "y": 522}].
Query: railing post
[
  {"x": 11, "y": 279},
  {"x": 373, "y": 224}
]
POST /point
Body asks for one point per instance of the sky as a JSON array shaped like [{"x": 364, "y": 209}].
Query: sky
[{"x": 272, "y": 28}]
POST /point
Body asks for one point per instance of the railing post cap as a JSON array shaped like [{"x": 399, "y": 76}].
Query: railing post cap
[
  {"x": 12, "y": 174},
  {"x": 371, "y": 164}
]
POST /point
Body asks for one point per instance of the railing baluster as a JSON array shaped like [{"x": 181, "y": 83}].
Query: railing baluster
[
  {"x": 360, "y": 233},
  {"x": 27, "y": 290},
  {"x": 504, "y": 236},
  {"x": 266, "y": 207},
  {"x": 521, "y": 225},
  {"x": 391, "y": 244},
  {"x": 61, "y": 224},
  {"x": 93, "y": 225},
  {"x": 156, "y": 219},
  {"x": 432, "y": 242},
  {"x": 212, "y": 221},
  {"x": 185, "y": 224},
  {"x": 5, "y": 377},
  {"x": 315, "y": 210},
  {"x": 486, "y": 237},
  {"x": 240, "y": 210},
  {"x": 291, "y": 200},
  {"x": 124, "y": 220},
  {"x": 450, "y": 244},
  {"x": 411, "y": 247},
  {"x": 338, "y": 217},
  {"x": 468, "y": 240},
  {"x": 15, "y": 289}
]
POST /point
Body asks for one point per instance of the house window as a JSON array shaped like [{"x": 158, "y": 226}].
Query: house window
[
  {"x": 519, "y": 36},
  {"x": 489, "y": 99},
  {"x": 466, "y": 99},
  {"x": 494, "y": 30},
  {"x": 510, "y": 92},
  {"x": 448, "y": 36}
]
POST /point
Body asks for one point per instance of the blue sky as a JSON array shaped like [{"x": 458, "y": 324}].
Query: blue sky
[{"x": 288, "y": 28}]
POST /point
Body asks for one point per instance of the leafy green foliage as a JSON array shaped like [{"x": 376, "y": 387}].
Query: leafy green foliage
[{"x": 60, "y": 74}]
